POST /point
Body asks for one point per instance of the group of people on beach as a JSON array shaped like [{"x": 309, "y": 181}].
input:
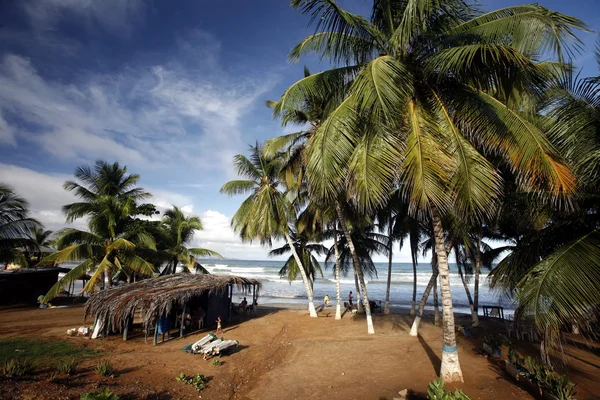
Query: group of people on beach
[{"x": 326, "y": 299}]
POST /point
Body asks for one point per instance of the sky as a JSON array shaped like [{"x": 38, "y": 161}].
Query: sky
[{"x": 172, "y": 90}]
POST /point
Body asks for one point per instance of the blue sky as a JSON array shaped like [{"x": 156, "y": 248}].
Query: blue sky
[{"x": 171, "y": 89}]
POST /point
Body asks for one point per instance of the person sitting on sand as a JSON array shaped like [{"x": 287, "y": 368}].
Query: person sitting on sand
[{"x": 326, "y": 300}]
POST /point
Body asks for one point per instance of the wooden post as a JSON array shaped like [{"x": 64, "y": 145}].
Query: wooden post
[
  {"x": 126, "y": 330},
  {"x": 156, "y": 331},
  {"x": 182, "y": 321}
]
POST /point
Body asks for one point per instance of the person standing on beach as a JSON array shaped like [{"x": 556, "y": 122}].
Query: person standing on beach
[
  {"x": 326, "y": 300},
  {"x": 350, "y": 298},
  {"x": 219, "y": 327}
]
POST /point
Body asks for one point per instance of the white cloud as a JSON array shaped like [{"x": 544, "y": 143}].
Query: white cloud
[
  {"x": 183, "y": 112},
  {"x": 110, "y": 15},
  {"x": 44, "y": 192},
  {"x": 217, "y": 235},
  {"x": 7, "y": 133}
]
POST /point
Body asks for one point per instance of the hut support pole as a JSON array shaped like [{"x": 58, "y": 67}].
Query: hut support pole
[
  {"x": 126, "y": 330},
  {"x": 156, "y": 331},
  {"x": 182, "y": 321}
]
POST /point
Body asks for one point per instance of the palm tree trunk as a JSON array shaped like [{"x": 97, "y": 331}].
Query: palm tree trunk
[
  {"x": 357, "y": 269},
  {"x": 450, "y": 370},
  {"x": 103, "y": 283},
  {"x": 477, "y": 272},
  {"x": 414, "y": 330},
  {"x": 467, "y": 291},
  {"x": 386, "y": 310},
  {"x": 414, "y": 296},
  {"x": 436, "y": 305},
  {"x": 309, "y": 293},
  {"x": 338, "y": 307}
]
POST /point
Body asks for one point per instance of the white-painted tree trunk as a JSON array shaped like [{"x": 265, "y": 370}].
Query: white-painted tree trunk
[
  {"x": 414, "y": 330},
  {"x": 338, "y": 307},
  {"x": 357, "y": 269},
  {"x": 474, "y": 316},
  {"x": 386, "y": 310},
  {"x": 436, "y": 303},
  {"x": 309, "y": 293},
  {"x": 414, "y": 296},
  {"x": 478, "y": 265},
  {"x": 450, "y": 370}
]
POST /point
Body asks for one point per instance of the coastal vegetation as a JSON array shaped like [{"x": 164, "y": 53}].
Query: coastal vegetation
[{"x": 437, "y": 126}]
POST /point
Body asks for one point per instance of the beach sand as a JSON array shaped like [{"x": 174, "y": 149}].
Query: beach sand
[{"x": 283, "y": 354}]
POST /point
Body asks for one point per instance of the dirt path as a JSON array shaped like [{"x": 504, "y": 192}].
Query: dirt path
[{"x": 283, "y": 355}]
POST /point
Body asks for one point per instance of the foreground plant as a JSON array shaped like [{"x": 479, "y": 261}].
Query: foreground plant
[
  {"x": 436, "y": 391},
  {"x": 104, "y": 368},
  {"x": 103, "y": 395},
  {"x": 67, "y": 367},
  {"x": 17, "y": 367},
  {"x": 198, "y": 381}
]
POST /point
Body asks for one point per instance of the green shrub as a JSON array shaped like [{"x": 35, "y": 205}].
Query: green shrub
[
  {"x": 67, "y": 367},
  {"x": 216, "y": 362},
  {"x": 17, "y": 367},
  {"x": 53, "y": 376},
  {"x": 495, "y": 341},
  {"x": 547, "y": 379},
  {"x": 104, "y": 368},
  {"x": 103, "y": 395},
  {"x": 436, "y": 391},
  {"x": 198, "y": 381}
]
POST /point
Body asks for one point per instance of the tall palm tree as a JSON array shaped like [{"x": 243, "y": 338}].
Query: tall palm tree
[
  {"x": 306, "y": 251},
  {"x": 176, "y": 232},
  {"x": 15, "y": 225},
  {"x": 428, "y": 86},
  {"x": 109, "y": 198},
  {"x": 266, "y": 213}
]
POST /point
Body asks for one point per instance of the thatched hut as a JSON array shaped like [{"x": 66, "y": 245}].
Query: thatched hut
[{"x": 165, "y": 297}]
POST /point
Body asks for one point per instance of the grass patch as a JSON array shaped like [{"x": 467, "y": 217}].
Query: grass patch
[
  {"x": 17, "y": 367},
  {"x": 68, "y": 366},
  {"x": 104, "y": 368},
  {"x": 44, "y": 352}
]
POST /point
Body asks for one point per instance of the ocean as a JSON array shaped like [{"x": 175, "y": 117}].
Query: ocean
[
  {"x": 276, "y": 290},
  {"x": 280, "y": 290}
]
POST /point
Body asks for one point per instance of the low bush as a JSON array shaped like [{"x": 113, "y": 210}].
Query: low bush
[
  {"x": 436, "y": 391},
  {"x": 17, "y": 367},
  {"x": 67, "y": 367},
  {"x": 103, "y": 395},
  {"x": 198, "y": 381},
  {"x": 104, "y": 368}
]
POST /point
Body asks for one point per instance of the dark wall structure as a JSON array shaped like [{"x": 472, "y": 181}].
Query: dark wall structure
[{"x": 26, "y": 285}]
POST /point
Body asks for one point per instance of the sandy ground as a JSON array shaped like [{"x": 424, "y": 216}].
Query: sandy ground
[{"x": 283, "y": 354}]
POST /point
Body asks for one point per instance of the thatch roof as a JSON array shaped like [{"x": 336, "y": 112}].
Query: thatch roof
[{"x": 157, "y": 296}]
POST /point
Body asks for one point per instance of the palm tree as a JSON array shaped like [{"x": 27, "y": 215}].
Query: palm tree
[
  {"x": 428, "y": 86},
  {"x": 176, "y": 232},
  {"x": 15, "y": 225},
  {"x": 366, "y": 243},
  {"x": 306, "y": 251},
  {"x": 109, "y": 199},
  {"x": 41, "y": 238},
  {"x": 553, "y": 271},
  {"x": 266, "y": 213}
]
